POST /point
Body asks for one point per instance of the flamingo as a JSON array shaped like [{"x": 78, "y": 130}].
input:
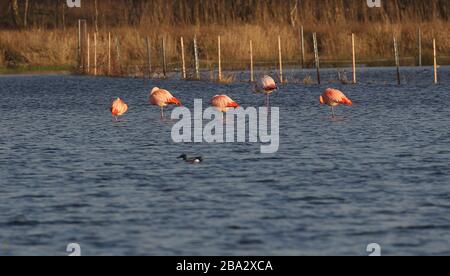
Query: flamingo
[
  {"x": 118, "y": 108},
  {"x": 223, "y": 103},
  {"x": 333, "y": 98},
  {"x": 266, "y": 86},
  {"x": 162, "y": 98}
]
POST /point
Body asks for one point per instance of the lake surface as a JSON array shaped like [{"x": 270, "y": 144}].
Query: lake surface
[{"x": 379, "y": 174}]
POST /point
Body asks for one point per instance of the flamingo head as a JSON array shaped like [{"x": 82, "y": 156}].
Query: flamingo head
[
  {"x": 154, "y": 90},
  {"x": 322, "y": 101}
]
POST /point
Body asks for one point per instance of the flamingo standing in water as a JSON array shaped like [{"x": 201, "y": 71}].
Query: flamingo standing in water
[
  {"x": 333, "y": 98},
  {"x": 118, "y": 108},
  {"x": 266, "y": 86},
  {"x": 223, "y": 103},
  {"x": 162, "y": 98}
]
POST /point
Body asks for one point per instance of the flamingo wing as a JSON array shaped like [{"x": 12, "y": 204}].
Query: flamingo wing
[
  {"x": 162, "y": 97},
  {"x": 334, "y": 96},
  {"x": 119, "y": 107},
  {"x": 223, "y": 102}
]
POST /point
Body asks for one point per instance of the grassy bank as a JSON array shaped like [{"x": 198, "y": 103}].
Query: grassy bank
[
  {"x": 54, "y": 50},
  {"x": 20, "y": 70}
]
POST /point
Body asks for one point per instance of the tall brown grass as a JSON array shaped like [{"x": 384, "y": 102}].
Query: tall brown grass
[{"x": 374, "y": 45}]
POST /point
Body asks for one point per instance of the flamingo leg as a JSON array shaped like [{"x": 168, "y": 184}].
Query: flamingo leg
[
  {"x": 162, "y": 112},
  {"x": 268, "y": 101},
  {"x": 332, "y": 112}
]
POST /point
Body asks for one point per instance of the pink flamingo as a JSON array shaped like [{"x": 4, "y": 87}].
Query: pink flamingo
[
  {"x": 266, "y": 86},
  {"x": 162, "y": 98},
  {"x": 118, "y": 108},
  {"x": 333, "y": 98},
  {"x": 223, "y": 103}
]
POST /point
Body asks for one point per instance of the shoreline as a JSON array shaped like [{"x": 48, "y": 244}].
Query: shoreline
[
  {"x": 36, "y": 73},
  {"x": 43, "y": 71},
  {"x": 37, "y": 70}
]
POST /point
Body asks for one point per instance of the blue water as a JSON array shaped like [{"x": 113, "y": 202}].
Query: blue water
[{"x": 379, "y": 174}]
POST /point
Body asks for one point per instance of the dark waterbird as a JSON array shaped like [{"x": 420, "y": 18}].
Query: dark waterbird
[{"x": 191, "y": 160}]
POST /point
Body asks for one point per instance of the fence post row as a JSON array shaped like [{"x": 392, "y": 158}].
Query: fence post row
[{"x": 84, "y": 55}]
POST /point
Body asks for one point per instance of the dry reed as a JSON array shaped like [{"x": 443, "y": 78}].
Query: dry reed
[{"x": 374, "y": 47}]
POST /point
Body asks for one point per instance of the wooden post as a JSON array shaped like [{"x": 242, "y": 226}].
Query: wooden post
[
  {"x": 149, "y": 57},
  {"x": 118, "y": 55},
  {"x": 88, "y": 62},
  {"x": 63, "y": 17},
  {"x": 354, "y": 59},
  {"x": 197, "y": 63},
  {"x": 85, "y": 36},
  {"x": 316, "y": 55},
  {"x": 303, "y": 46},
  {"x": 252, "y": 72},
  {"x": 436, "y": 81},
  {"x": 219, "y": 77},
  {"x": 280, "y": 58},
  {"x": 82, "y": 40},
  {"x": 79, "y": 46},
  {"x": 96, "y": 16},
  {"x": 183, "y": 59},
  {"x": 109, "y": 53},
  {"x": 397, "y": 60},
  {"x": 164, "y": 57},
  {"x": 95, "y": 54},
  {"x": 419, "y": 45}
]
